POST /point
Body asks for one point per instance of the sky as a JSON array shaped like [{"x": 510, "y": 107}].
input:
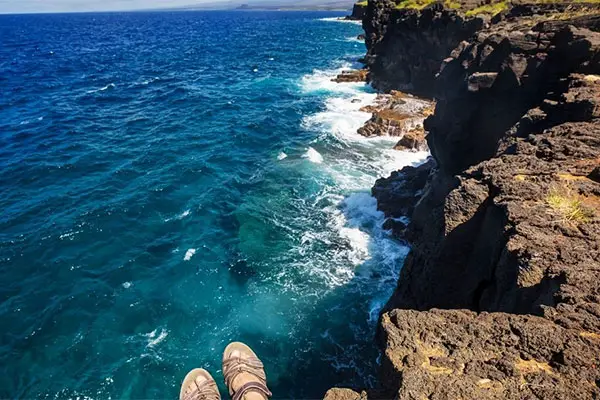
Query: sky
[{"x": 44, "y": 6}]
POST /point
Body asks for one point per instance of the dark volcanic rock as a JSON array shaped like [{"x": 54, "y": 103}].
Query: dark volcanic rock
[
  {"x": 406, "y": 47},
  {"x": 505, "y": 223},
  {"x": 344, "y": 394},
  {"x": 508, "y": 223},
  {"x": 398, "y": 194},
  {"x": 492, "y": 237},
  {"x": 358, "y": 12},
  {"x": 490, "y": 83},
  {"x": 457, "y": 354}
]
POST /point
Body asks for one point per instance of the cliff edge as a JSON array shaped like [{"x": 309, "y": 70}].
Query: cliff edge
[{"x": 499, "y": 297}]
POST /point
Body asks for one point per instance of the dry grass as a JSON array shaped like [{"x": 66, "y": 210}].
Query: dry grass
[
  {"x": 568, "y": 204},
  {"x": 533, "y": 366},
  {"x": 520, "y": 177},
  {"x": 589, "y": 335},
  {"x": 570, "y": 177},
  {"x": 491, "y": 9},
  {"x": 421, "y": 4}
]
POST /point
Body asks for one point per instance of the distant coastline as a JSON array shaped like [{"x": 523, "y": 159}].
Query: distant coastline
[{"x": 303, "y": 5}]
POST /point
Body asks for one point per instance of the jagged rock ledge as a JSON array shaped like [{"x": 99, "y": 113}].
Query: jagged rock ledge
[
  {"x": 398, "y": 114},
  {"x": 358, "y": 11},
  {"x": 499, "y": 297}
]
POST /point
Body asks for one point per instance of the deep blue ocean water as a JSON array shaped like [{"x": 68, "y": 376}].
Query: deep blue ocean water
[{"x": 171, "y": 182}]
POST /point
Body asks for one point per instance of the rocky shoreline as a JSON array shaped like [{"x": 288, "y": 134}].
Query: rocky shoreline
[{"x": 500, "y": 295}]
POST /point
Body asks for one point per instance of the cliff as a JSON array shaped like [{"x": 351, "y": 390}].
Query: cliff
[
  {"x": 500, "y": 295},
  {"x": 358, "y": 11},
  {"x": 407, "y": 46}
]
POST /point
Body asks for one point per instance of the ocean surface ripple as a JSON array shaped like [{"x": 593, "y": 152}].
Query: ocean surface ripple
[{"x": 174, "y": 181}]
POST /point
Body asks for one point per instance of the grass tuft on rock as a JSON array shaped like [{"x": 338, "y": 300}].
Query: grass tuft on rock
[
  {"x": 362, "y": 3},
  {"x": 489, "y": 9},
  {"x": 421, "y": 4},
  {"x": 568, "y": 205}
]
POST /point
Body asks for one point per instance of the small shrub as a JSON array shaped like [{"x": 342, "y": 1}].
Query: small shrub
[
  {"x": 568, "y": 204},
  {"x": 362, "y": 3}
]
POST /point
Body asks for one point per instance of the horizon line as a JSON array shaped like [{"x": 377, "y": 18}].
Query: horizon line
[{"x": 182, "y": 9}]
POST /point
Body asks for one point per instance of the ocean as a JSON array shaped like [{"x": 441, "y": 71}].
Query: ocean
[{"x": 174, "y": 181}]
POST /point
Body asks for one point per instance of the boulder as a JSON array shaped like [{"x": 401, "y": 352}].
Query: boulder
[
  {"x": 354, "y": 75},
  {"x": 413, "y": 140}
]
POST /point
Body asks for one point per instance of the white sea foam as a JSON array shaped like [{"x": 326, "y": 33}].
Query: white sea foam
[
  {"x": 149, "y": 81},
  {"x": 154, "y": 339},
  {"x": 313, "y": 156},
  {"x": 339, "y": 19},
  {"x": 126, "y": 285},
  {"x": 69, "y": 235},
  {"x": 281, "y": 156},
  {"x": 321, "y": 80},
  {"x": 184, "y": 214},
  {"x": 342, "y": 115},
  {"x": 354, "y": 162},
  {"x": 109, "y": 86},
  {"x": 179, "y": 216},
  {"x": 354, "y": 39},
  {"x": 359, "y": 242},
  {"x": 189, "y": 254}
]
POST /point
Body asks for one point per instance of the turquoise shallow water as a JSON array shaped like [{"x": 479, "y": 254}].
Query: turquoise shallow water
[{"x": 171, "y": 182}]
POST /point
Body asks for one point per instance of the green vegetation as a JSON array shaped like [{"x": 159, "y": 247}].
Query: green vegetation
[
  {"x": 362, "y": 3},
  {"x": 491, "y": 9},
  {"x": 420, "y": 4},
  {"x": 495, "y": 7}
]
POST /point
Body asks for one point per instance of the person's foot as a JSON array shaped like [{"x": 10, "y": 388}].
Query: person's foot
[
  {"x": 244, "y": 373},
  {"x": 198, "y": 384}
]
